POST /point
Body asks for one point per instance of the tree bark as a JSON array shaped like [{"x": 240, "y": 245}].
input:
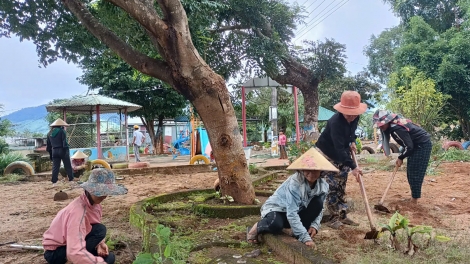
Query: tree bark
[
  {"x": 149, "y": 124},
  {"x": 158, "y": 146}
]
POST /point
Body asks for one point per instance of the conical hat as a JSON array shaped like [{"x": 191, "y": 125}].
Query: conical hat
[
  {"x": 79, "y": 155},
  {"x": 312, "y": 160},
  {"x": 59, "y": 122}
]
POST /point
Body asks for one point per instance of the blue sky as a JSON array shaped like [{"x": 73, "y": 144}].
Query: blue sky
[{"x": 24, "y": 84}]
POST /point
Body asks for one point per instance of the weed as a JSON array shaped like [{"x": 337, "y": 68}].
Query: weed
[
  {"x": 169, "y": 249},
  {"x": 12, "y": 178}
]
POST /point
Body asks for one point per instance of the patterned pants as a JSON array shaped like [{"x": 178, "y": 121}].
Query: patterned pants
[
  {"x": 336, "y": 198},
  {"x": 282, "y": 152},
  {"x": 416, "y": 167}
]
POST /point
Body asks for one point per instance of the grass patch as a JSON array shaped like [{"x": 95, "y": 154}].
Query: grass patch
[
  {"x": 12, "y": 178},
  {"x": 430, "y": 252}
]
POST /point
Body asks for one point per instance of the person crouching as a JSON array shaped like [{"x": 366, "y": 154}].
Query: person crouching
[
  {"x": 298, "y": 202},
  {"x": 76, "y": 233}
]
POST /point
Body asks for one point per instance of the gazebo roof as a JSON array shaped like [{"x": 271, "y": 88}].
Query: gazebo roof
[
  {"x": 323, "y": 114},
  {"x": 87, "y": 104}
]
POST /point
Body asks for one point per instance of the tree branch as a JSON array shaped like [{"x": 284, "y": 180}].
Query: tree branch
[
  {"x": 144, "y": 13},
  {"x": 174, "y": 14},
  {"x": 137, "y": 60},
  {"x": 227, "y": 28}
]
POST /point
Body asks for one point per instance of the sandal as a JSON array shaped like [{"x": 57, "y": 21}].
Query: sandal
[
  {"x": 348, "y": 221},
  {"x": 335, "y": 224},
  {"x": 253, "y": 239}
]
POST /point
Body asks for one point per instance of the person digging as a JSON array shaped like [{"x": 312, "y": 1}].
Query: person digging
[
  {"x": 336, "y": 143},
  {"x": 298, "y": 202},
  {"x": 79, "y": 164},
  {"x": 76, "y": 233},
  {"x": 416, "y": 143}
]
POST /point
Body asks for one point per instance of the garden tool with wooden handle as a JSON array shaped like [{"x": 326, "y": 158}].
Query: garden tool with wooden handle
[
  {"x": 373, "y": 233},
  {"x": 380, "y": 207}
]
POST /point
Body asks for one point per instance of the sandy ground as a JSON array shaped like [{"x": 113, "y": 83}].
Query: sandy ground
[{"x": 28, "y": 208}]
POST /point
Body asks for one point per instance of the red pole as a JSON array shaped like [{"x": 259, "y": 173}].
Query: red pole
[
  {"x": 98, "y": 132},
  {"x": 296, "y": 109},
  {"x": 244, "y": 117}
]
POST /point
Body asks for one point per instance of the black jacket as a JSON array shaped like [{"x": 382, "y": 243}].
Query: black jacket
[
  {"x": 407, "y": 138},
  {"x": 335, "y": 140}
]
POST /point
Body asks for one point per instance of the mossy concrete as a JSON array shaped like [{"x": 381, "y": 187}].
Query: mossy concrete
[{"x": 293, "y": 250}]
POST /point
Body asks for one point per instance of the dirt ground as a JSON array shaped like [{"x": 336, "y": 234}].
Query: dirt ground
[{"x": 28, "y": 208}]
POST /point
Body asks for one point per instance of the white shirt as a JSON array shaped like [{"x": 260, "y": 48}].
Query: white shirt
[{"x": 138, "y": 137}]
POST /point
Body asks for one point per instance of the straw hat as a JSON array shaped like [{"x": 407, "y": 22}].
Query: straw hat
[
  {"x": 101, "y": 182},
  {"x": 59, "y": 123},
  {"x": 350, "y": 104},
  {"x": 136, "y": 126},
  {"x": 79, "y": 155},
  {"x": 312, "y": 160}
]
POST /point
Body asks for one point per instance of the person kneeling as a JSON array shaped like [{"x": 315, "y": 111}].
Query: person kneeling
[
  {"x": 298, "y": 202},
  {"x": 76, "y": 233}
]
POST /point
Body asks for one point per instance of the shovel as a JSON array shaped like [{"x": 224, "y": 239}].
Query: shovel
[
  {"x": 373, "y": 233},
  {"x": 380, "y": 207}
]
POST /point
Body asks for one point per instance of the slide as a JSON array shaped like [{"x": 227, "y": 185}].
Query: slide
[{"x": 177, "y": 144}]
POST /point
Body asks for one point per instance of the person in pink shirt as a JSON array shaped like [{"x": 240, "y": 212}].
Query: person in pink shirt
[
  {"x": 282, "y": 145},
  {"x": 76, "y": 233}
]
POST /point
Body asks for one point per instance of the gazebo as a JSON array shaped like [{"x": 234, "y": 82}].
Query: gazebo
[{"x": 95, "y": 104}]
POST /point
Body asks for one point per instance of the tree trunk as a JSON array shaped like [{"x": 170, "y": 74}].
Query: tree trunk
[
  {"x": 465, "y": 125},
  {"x": 158, "y": 146},
  {"x": 311, "y": 106},
  {"x": 224, "y": 135},
  {"x": 149, "y": 124},
  {"x": 301, "y": 77}
]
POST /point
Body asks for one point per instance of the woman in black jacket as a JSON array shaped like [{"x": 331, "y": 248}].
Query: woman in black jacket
[
  {"x": 416, "y": 143},
  {"x": 59, "y": 151}
]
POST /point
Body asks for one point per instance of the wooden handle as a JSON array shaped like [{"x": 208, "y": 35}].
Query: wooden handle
[
  {"x": 364, "y": 195},
  {"x": 389, "y": 184}
]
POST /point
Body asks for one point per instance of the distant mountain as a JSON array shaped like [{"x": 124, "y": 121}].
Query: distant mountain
[{"x": 32, "y": 119}]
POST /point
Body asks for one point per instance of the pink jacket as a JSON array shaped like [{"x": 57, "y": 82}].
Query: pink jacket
[
  {"x": 70, "y": 227},
  {"x": 282, "y": 140}
]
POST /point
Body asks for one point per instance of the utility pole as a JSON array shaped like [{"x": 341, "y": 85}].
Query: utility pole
[{"x": 273, "y": 111}]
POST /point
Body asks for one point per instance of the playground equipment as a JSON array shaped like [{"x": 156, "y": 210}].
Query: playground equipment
[{"x": 199, "y": 146}]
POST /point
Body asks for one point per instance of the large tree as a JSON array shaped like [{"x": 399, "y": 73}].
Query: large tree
[
  {"x": 174, "y": 59},
  {"x": 113, "y": 77}
]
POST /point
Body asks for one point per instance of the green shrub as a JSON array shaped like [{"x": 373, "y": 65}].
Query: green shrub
[
  {"x": 3, "y": 146},
  {"x": 6, "y": 159}
]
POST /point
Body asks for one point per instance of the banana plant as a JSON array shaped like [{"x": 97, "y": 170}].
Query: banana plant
[{"x": 396, "y": 222}]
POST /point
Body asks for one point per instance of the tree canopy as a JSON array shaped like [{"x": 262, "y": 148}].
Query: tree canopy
[{"x": 434, "y": 40}]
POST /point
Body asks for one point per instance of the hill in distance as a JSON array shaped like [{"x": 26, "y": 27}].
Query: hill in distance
[{"x": 32, "y": 119}]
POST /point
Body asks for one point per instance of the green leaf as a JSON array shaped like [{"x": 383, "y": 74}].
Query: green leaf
[
  {"x": 167, "y": 252},
  {"x": 143, "y": 258},
  {"x": 442, "y": 238}
]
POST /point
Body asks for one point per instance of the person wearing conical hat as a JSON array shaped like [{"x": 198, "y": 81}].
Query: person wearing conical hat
[
  {"x": 416, "y": 144},
  {"x": 298, "y": 202},
  {"x": 337, "y": 142},
  {"x": 78, "y": 161},
  {"x": 76, "y": 234},
  {"x": 58, "y": 149}
]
